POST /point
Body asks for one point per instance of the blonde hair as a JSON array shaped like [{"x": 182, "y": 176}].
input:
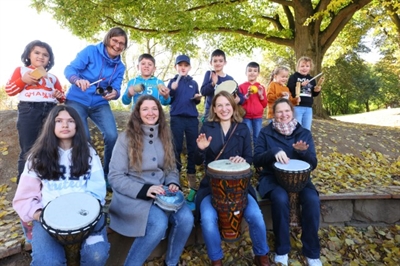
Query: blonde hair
[
  {"x": 276, "y": 71},
  {"x": 134, "y": 134},
  {"x": 304, "y": 59}
]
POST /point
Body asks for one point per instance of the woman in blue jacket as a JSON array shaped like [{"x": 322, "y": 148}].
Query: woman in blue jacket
[
  {"x": 284, "y": 139},
  {"x": 96, "y": 75},
  {"x": 224, "y": 115}
]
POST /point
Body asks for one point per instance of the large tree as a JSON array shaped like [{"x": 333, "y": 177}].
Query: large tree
[{"x": 309, "y": 27}]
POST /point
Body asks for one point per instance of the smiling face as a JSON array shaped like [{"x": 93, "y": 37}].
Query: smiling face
[
  {"x": 304, "y": 67},
  {"x": 252, "y": 74},
  {"x": 183, "y": 68},
  {"x": 149, "y": 112},
  {"x": 39, "y": 57},
  {"x": 65, "y": 127},
  {"x": 283, "y": 113},
  {"x": 116, "y": 46},
  {"x": 146, "y": 68},
  {"x": 282, "y": 77},
  {"x": 223, "y": 108},
  {"x": 217, "y": 63}
]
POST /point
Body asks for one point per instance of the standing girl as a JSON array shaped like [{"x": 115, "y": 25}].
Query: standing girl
[
  {"x": 60, "y": 162},
  {"x": 277, "y": 89},
  {"x": 303, "y": 112},
  {"x": 37, "y": 95}
]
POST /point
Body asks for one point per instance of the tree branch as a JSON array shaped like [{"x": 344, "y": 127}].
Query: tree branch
[{"x": 214, "y": 4}]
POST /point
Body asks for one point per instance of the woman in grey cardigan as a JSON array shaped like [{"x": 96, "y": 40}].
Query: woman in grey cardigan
[{"x": 142, "y": 163}]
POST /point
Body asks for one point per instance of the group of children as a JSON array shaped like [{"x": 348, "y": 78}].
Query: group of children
[{"x": 39, "y": 95}]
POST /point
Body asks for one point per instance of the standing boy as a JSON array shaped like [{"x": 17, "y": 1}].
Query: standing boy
[
  {"x": 255, "y": 100},
  {"x": 146, "y": 83},
  {"x": 184, "y": 93},
  {"x": 215, "y": 77}
]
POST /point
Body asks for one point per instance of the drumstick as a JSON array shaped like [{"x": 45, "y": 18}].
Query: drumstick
[
  {"x": 97, "y": 81},
  {"x": 316, "y": 76},
  {"x": 179, "y": 77},
  {"x": 320, "y": 81}
]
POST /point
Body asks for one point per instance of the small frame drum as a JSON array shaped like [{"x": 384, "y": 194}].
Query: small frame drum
[
  {"x": 70, "y": 219},
  {"x": 171, "y": 201},
  {"x": 293, "y": 177},
  {"x": 229, "y": 188}
]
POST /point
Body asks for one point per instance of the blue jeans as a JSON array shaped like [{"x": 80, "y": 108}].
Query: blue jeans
[
  {"x": 188, "y": 126},
  {"x": 31, "y": 117},
  {"x": 303, "y": 115},
  {"x": 103, "y": 118},
  {"x": 211, "y": 234},
  {"x": 310, "y": 213},
  {"x": 254, "y": 126},
  {"x": 157, "y": 224},
  {"x": 47, "y": 251}
]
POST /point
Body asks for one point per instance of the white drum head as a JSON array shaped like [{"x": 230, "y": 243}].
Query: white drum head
[
  {"x": 293, "y": 165},
  {"x": 71, "y": 211},
  {"x": 226, "y": 165},
  {"x": 228, "y": 86}
]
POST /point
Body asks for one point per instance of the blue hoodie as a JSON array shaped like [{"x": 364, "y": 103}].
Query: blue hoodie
[{"x": 92, "y": 64}]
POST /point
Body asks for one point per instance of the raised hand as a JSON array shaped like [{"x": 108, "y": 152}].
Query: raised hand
[{"x": 202, "y": 141}]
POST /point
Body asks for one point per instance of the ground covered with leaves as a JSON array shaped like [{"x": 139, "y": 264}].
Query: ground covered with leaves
[{"x": 352, "y": 158}]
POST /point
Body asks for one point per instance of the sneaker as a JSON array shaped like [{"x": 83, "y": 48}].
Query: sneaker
[
  {"x": 282, "y": 259},
  {"x": 313, "y": 262}
]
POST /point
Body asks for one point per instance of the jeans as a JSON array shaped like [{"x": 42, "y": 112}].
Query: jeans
[
  {"x": 157, "y": 224},
  {"x": 310, "y": 213},
  {"x": 104, "y": 119},
  {"x": 31, "y": 117},
  {"x": 254, "y": 126},
  {"x": 47, "y": 251},
  {"x": 188, "y": 126},
  {"x": 304, "y": 116},
  {"x": 211, "y": 234}
]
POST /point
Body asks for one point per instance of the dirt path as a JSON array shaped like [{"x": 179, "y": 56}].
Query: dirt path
[{"x": 384, "y": 117}]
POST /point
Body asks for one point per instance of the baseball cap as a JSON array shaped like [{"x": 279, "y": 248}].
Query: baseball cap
[{"x": 182, "y": 58}]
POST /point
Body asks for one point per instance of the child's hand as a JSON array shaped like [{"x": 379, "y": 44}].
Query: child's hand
[
  {"x": 214, "y": 78},
  {"x": 131, "y": 91},
  {"x": 285, "y": 95},
  {"x": 305, "y": 83},
  {"x": 164, "y": 91},
  {"x": 58, "y": 94},
  {"x": 28, "y": 79},
  {"x": 174, "y": 85},
  {"x": 298, "y": 99}
]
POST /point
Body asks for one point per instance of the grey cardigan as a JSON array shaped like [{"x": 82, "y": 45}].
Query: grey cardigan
[{"x": 128, "y": 213}]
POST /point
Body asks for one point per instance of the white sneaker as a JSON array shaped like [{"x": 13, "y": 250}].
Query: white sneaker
[
  {"x": 283, "y": 259},
  {"x": 313, "y": 262}
]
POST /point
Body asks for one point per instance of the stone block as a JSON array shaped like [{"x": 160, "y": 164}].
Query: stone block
[
  {"x": 376, "y": 211},
  {"x": 337, "y": 211}
]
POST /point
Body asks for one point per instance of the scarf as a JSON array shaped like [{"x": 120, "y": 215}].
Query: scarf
[{"x": 285, "y": 129}]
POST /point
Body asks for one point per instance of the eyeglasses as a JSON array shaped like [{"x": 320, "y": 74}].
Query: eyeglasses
[
  {"x": 104, "y": 92},
  {"x": 114, "y": 41}
]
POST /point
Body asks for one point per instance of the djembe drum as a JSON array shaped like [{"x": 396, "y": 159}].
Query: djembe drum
[
  {"x": 229, "y": 188},
  {"x": 70, "y": 219},
  {"x": 293, "y": 177}
]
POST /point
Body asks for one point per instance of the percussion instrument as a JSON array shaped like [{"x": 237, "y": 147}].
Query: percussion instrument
[
  {"x": 228, "y": 86},
  {"x": 293, "y": 177},
  {"x": 38, "y": 72},
  {"x": 170, "y": 201},
  {"x": 70, "y": 219},
  {"x": 138, "y": 87},
  {"x": 229, "y": 188}
]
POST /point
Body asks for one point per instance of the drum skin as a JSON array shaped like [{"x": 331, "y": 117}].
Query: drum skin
[
  {"x": 293, "y": 177},
  {"x": 229, "y": 189},
  {"x": 70, "y": 219}
]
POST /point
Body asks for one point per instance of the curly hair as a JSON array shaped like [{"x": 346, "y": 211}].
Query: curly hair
[
  {"x": 28, "y": 49},
  {"x": 236, "y": 117},
  {"x": 45, "y": 155},
  {"x": 134, "y": 134}
]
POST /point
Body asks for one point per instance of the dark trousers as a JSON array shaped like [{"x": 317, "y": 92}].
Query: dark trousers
[
  {"x": 310, "y": 214},
  {"x": 31, "y": 117},
  {"x": 185, "y": 126}
]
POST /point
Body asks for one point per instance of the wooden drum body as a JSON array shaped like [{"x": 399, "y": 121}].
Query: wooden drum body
[
  {"x": 70, "y": 219},
  {"x": 229, "y": 188},
  {"x": 293, "y": 177}
]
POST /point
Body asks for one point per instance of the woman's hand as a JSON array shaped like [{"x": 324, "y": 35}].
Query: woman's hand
[
  {"x": 237, "y": 159},
  {"x": 82, "y": 83},
  {"x": 173, "y": 188},
  {"x": 203, "y": 142},
  {"x": 37, "y": 214},
  {"x": 154, "y": 190},
  {"x": 282, "y": 157},
  {"x": 300, "y": 145}
]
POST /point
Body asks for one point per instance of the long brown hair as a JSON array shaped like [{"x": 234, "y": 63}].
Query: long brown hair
[
  {"x": 236, "y": 117},
  {"x": 134, "y": 134}
]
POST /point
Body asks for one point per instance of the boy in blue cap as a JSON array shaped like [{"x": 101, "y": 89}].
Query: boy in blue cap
[{"x": 184, "y": 93}]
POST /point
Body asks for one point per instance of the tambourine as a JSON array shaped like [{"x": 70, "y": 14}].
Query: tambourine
[
  {"x": 170, "y": 201},
  {"x": 229, "y": 86}
]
